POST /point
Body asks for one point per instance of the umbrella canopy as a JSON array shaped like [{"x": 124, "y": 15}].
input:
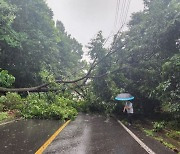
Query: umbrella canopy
[{"x": 124, "y": 97}]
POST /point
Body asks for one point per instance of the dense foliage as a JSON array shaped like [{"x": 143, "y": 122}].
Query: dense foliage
[
  {"x": 30, "y": 42},
  {"x": 146, "y": 61},
  {"x": 40, "y": 106},
  {"x": 34, "y": 50},
  {"x": 6, "y": 79}
]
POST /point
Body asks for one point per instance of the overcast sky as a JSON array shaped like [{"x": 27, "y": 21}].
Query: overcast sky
[{"x": 84, "y": 18}]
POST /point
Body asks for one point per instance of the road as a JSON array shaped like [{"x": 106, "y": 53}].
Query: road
[
  {"x": 94, "y": 134},
  {"x": 87, "y": 134},
  {"x": 25, "y": 136}
]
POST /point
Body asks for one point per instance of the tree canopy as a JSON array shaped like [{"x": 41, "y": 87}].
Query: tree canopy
[
  {"x": 31, "y": 43},
  {"x": 144, "y": 60}
]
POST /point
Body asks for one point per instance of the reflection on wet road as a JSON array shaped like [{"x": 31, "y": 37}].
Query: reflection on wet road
[
  {"x": 26, "y": 136},
  {"x": 94, "y": 134},
  {"x": 87, "y": 134}
]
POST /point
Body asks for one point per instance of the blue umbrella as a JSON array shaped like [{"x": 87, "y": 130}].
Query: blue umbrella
[{"x": 124, "y": 97}]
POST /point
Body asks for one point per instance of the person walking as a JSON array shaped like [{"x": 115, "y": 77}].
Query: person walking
[{"x": 129, "y": 108}]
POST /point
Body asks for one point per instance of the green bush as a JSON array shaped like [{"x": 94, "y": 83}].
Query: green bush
[
  {"x": 12, "y": 101},
  {"x": 81, "y": 106},
  {"x": 6, "y": 79},
  {"x": 103, "y": 107},
  {"x": 44, "y": 106},
  {"x": 35, "y": 108},
  {"x": 63, "y": 108},
  {"x": 56, "y": 108},
  {"x": 2, "y": 101},
  {"x": 1, "y": 107},
  {"x": 3, "y": 115},
  {"x": 158, "y": 126},
  {"x": 63, "y": 113}
]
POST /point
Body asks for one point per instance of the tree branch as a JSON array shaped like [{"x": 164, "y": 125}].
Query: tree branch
[{"x": 44, "y": 87}]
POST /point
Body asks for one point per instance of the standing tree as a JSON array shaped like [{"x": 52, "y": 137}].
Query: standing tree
[{"x": 97, "y": 52}]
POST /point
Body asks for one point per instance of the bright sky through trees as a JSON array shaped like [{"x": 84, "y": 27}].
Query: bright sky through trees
[{"x": 84, "y": 18}]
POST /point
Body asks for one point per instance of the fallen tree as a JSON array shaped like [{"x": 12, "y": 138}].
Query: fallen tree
[{"x": 45, "y": 87}]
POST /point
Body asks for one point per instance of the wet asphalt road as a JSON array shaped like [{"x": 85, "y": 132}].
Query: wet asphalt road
[
  {"x": 88, "y": 134},
  {"x": 94, "y": 134},
  {"x": 26, "y": 136}
]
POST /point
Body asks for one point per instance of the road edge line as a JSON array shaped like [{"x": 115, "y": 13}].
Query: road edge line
[
  {"x": 142, "y": 144},
  {"x": 45, "y": 145}
]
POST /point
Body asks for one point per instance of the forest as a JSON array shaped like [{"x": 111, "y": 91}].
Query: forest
[{"x": 43, "y": 75}]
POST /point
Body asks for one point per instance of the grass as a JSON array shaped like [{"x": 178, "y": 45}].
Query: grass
[
  {"x": 148, "y": 132},
  {"x": 169, "y": 145},
  {"x": 173, "y": 134},
  {"x": 160, "y": 131}
]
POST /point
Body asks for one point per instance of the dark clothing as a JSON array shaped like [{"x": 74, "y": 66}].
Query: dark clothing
[{"x": 130, "y": 117}]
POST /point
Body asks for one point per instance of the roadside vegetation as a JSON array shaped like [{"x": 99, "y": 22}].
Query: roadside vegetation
[
  {"x": 163, "y": 132},
  {"x": 42, "y": 74}
]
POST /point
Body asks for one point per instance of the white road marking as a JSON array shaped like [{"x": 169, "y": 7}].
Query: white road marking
[{"x": 137, "y": 139}]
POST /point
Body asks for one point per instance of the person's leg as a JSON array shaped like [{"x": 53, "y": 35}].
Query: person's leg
[{"x": 130, "y": 118}]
